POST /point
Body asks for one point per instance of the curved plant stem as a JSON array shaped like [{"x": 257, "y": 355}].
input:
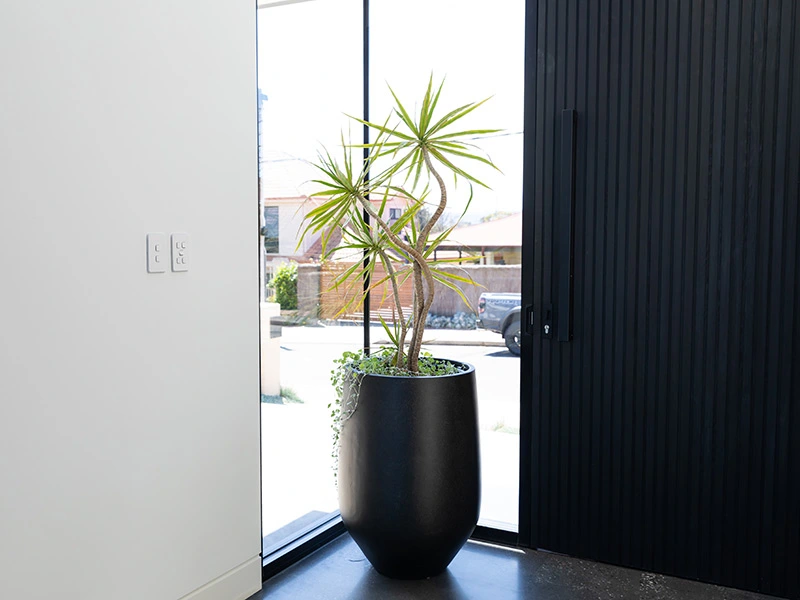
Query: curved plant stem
[
  {"x": 427, "y": 300},
  {"x": 426, "y": 231},
  {"x": 401, "y": 340},
  {"x": 419, "y": 297},
  {"x": 419, "y": 261}
]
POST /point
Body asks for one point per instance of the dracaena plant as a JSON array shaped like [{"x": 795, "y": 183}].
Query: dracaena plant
[{"x": 410, "y": 157}]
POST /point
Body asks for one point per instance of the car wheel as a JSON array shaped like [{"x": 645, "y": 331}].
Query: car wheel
[{"x": 511, "y": 336}]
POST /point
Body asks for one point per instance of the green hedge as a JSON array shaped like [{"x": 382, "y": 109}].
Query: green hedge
[{"x": 285, "y": 285}]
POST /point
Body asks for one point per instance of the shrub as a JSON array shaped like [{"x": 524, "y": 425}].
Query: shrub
[
  {"x": 460, "y": 320},
  {"x": 285, "y": 285},
  {"x": 287, "y": 396}
]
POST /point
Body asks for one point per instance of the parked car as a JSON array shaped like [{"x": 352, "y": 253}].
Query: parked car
[{"x": 500, "y": 312}]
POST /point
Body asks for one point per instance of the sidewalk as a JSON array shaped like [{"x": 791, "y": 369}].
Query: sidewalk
[
  {"x": 460, "y": 337},
  {"x": 342, "y": 330}
]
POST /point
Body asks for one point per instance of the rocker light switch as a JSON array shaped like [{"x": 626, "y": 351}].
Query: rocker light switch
[
  {"x": 180, "y": 251},
  {"x": 157, "y": 253}
]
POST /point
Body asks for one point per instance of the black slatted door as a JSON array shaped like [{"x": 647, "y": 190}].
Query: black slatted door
[{"x": 661, "y": 233}]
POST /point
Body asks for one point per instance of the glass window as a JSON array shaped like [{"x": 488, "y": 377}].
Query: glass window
[
  {"x": 309, "y": 75},
  {"x": 271, "y": 230},
  {"x": 309, "y": 80},
  {"x": 479, "y": 51}
]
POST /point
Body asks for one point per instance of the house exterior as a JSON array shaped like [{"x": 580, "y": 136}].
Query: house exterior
[
  {"x": 287, "y": 183},
  {"x": 496, "y": 242}
]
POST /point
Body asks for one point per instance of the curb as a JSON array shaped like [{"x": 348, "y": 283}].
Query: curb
[{"x": 435, "y": 342}]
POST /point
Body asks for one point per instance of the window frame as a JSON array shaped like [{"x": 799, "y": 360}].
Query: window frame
[
  {"x": 278, "y": 558},
  {"x": 264, "y": 229}
]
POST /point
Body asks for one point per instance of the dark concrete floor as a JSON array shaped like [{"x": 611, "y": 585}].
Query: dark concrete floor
[{"x": 339, "y": 571}]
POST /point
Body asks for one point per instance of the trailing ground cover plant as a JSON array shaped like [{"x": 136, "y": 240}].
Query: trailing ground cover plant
[
  {"x": 348, "y": 372},
  {"x": 410, "y": 157}
]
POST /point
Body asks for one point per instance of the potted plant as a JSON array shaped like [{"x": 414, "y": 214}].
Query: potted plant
[{"x": 405, "y": 422}]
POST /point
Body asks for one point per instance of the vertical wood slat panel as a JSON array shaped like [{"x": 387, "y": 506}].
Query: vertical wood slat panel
[
  {"x": 587, "y": 517},
  {"x": 664, "y": 434},
  {"x": 692, "y": 413},
  {"x": 745, "y": 211},
  {"x": 621, "y": 34},
  {"x": 630, "y": 84},
  {"x": 704, "y": 431},
  {"x": 679, "y": 377},
  {"x": 779, "y": 566},
  {"x": 792, "y": 336},
  {"x": 546, "y": 177},
  {"x": 557, "y": 433},
  {"x": 660, "y": 233},
  {"x": 579, "y": 28},
  {"x": 754, "y": 369}
]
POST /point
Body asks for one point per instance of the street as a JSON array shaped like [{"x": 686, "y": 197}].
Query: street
[{"x": 307, "y": 355}]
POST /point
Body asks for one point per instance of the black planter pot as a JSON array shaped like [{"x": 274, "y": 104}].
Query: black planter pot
[{"x": 409, "y": 472}]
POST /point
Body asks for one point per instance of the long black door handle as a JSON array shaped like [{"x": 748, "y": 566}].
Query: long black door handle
[{"x": 566, "y": 226}]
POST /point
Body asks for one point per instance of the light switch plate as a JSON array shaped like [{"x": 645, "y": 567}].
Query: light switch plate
[
  {"x": 157, "y": 253},
  {"x": 180, "y": 251}
]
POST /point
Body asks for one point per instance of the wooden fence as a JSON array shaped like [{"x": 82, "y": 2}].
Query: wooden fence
[
  {"x": 338, "y": 302},
  {"x": 316, "y": 297},
  {"x": 489, "y": 278}
]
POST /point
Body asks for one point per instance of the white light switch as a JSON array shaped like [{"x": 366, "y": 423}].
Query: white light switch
[
  {"x": 157, "y": 253},
  {"x": 180, "y": 251}
]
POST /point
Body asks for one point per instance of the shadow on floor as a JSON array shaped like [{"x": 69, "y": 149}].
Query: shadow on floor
[
  {"x": 339, "y": 571},
  {"x": 503, "y": 354}
]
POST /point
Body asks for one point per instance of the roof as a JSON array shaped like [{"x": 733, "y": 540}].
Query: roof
[
  {"x": 500, "y": 233},
  {"x": 314, "y": 252},
  {"x": 286, "y": 176}
]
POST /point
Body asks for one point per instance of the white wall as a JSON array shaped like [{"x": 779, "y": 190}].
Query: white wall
[
  {"x": 129, "y": 402},
  {"x": 291, "y": 225}
]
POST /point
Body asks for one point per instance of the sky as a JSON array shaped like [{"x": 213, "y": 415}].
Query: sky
[{"x": 310, "y": 68}]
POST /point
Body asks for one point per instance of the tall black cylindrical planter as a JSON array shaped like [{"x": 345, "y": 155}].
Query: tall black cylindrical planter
[{"x": 409, "y": 472}]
